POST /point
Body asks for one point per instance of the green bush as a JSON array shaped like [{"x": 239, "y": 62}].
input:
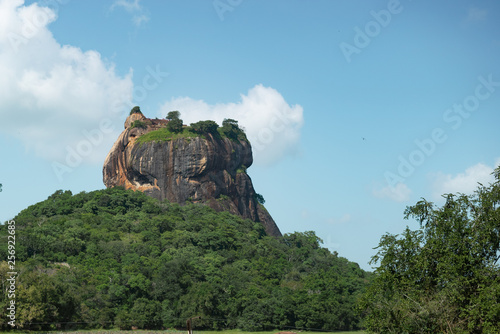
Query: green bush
[
  {"x": 242, "y": 169},
  {"x": 223, "y": 197},
  {"x": 175, "y": 125},
  {"x": 204, "y": 127},
  {"x": 231, "y": 130},
  {"x": 259, "y": 198},
  {"x": 173, "y": 115},
  {"x": 135, "y": 110},
  {"x": 138, "y": 124}
]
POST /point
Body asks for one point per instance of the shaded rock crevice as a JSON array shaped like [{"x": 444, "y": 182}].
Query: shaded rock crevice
[{"x": 209, "y": 170}]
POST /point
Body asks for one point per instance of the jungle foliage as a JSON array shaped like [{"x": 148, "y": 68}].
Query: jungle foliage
[{"x": 117, "y": 258}]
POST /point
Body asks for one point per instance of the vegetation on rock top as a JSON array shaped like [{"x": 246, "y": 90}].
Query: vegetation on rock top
[
  {"x": 175, "y": 129},
  {"x": 138, "y": 124},
  {"x": 164, "y": 134},
  {"x": 135, "y": 110}
]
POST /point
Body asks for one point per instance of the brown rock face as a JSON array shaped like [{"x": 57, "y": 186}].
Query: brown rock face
[{"x": 202, "y": 170}]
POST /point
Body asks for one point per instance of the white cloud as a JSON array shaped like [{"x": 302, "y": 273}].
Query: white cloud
[
  {"x": 476, "y": 14},
  {"x": 133, "y": 7},
  {"x": 49, "y": 93},
  {"x": 140, "y": 19},
  {"x": 465, "y": 182},
  {"x": 129, "y": 6},
  {"x": 345, "y": 218},
  {"x": 271, "y": 124},
  {"x": 399, "y": 193}
]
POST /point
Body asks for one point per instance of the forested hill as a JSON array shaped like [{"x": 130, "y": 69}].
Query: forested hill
[{"x": 117, "y": 258}]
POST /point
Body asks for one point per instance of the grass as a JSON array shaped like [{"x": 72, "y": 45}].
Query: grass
[
  {"x": 237, "y": 331},
  {"x": 233, "y": 331},
  {"x": 164, "y": 135}
]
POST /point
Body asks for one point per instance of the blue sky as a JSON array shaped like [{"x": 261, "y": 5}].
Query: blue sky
[{"x": 355, "y": 109}]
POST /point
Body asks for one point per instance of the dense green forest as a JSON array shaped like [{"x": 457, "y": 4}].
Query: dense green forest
[
  {"x": 116, "y": 259},
  {"x": 120, "y": 259}
]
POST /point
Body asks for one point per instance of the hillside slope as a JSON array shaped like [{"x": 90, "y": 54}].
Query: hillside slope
[{"x": 118, "y": 258}]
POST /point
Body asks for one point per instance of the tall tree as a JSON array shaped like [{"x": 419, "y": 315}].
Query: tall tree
[
  {"x": 445, "y": 276},
  {"x": 173, "y": 115},
  {"x": 175, "y": 123}
]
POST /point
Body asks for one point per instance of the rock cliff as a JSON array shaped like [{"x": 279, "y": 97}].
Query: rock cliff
[{"x": 204, "y": 169}]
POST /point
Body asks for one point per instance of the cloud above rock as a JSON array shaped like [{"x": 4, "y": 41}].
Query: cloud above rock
[{"x": 272, "y": 125}]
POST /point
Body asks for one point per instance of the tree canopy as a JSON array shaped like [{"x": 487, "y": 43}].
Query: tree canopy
[
  {"x": 135, "y": 110},
  {"x": 175, "y": 123},
  {"x": 173, "y": 115},
  {"x": 231, "y": 129},
  {"x": 118, "y": 258},
  {"x": 443, "y": 277},
  {"x": 203, "y": 127},
  {"x": 259, "y": 198}
]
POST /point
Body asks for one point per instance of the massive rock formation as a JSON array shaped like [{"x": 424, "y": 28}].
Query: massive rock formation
[{"x": 203, "y": 169}]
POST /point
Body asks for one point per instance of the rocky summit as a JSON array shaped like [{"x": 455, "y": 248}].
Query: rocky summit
[{"x": 186, "y": 167}]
